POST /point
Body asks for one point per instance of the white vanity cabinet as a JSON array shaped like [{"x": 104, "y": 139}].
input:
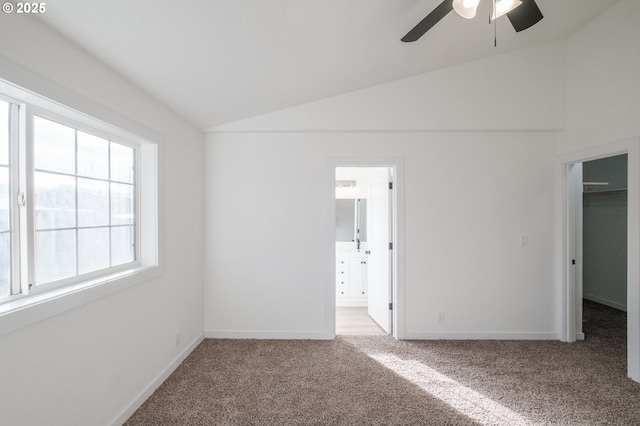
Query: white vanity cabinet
[{"x": 351, "y": 279}]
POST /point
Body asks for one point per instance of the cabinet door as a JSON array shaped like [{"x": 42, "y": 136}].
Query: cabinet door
[{"x": 357, "y": 275}]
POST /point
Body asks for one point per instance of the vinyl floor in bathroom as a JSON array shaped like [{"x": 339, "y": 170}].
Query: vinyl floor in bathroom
[{"x": 354, "y": 321}]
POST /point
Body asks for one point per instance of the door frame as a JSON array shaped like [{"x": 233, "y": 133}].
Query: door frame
[
  {"x": 569, "y": 244},
  {"x": 397, "y": 232}
]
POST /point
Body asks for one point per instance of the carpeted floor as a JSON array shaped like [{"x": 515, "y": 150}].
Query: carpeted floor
[{"x": 356, "y": 380}]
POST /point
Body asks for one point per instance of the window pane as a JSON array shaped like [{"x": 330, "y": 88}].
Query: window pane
[
  {"x": 4, "y": 133},
  {"x": 5, "y": 265},
  {"x": 54, "y": 146},
  {"x": 55, "y": 255},
  {"x": 121, "y": 204},
  {"x": 122, "y": 249},
  {"x": 93, "y": 249},
  {"x": 122, "y": 160},
  {"x": 93, "y": 156},
  {"x": 5, "y": 197},
  {"x": 55, "y": 201},
  {"x": 93, "y": 202}
]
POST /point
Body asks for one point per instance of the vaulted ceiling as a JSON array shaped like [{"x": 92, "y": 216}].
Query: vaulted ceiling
[{"x": 218, "y": 61}]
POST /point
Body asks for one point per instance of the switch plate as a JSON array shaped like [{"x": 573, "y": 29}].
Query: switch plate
[{"x": 524, "y": 240}]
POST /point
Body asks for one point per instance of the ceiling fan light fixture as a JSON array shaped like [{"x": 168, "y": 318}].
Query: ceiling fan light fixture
[
  {"x": 502, "y": 7},
  {"x": 466, "y": 8}
]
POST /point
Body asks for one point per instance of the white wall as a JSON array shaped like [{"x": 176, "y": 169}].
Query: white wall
[
  {"x": 91, "y": 364},
  {"x": 469, "y": 195},
  {"x": 521, "y": 90},
  {"x": 603, "y": 83}
]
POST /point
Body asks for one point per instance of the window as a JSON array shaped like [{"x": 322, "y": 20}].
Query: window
[{"x": 71, "y": 210}]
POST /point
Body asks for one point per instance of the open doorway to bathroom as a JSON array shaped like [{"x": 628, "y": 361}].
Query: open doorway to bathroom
[{"x": 364, "y": 206}]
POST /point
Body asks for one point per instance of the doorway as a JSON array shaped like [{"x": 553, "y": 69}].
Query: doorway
[
  {"x": 364, "y": 218},
  {"x": 366, "y": 282},
  {"x": 572, "y": 279}
]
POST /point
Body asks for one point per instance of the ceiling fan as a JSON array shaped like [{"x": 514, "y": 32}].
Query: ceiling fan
[{"x": 522, "y": 14}]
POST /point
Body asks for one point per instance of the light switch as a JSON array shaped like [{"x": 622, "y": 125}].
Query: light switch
[{"x": 524, "y": 240}]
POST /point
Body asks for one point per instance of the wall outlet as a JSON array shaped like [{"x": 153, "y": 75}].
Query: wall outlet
[
  {"x": 440, "y": 317},
  {"x": 178, "y": 338}
]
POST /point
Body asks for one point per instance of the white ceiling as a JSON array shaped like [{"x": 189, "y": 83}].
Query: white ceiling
[{"x": 218, "y": 61}]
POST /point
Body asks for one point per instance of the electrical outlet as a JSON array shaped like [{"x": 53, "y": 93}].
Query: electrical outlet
[
  {"x": 178, "y": 336},
  {"x": 440, "y": 317}
]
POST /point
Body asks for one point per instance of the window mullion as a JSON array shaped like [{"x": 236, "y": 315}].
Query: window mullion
[{"x": 77, "y": 226}]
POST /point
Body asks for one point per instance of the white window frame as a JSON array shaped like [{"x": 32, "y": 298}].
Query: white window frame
[{"x": 36, "y": 303}]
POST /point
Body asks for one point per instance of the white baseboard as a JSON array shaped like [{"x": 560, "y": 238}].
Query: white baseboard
[
  {"x": 408, "y": 335},
  {"x": 358, "y": 303},
  {"x": 284, "y": 335},
  {"x": 605, "y": 302},
  {"x": 148, "y": 391}
]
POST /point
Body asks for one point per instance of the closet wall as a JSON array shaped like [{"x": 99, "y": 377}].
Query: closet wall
[{"x": 605, "y": 231}]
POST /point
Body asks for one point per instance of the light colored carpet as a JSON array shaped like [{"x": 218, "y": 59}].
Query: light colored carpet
[{"x": 356, "y": 380}]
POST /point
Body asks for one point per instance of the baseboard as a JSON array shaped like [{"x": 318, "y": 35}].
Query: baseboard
[
  {"x": 605, "y": 302},
  {"x": 280, "y": 335},
  {"x": 408, "y": 335},
  {"x": 347, "y": 303},
  {"x": 148, "y": 391}
]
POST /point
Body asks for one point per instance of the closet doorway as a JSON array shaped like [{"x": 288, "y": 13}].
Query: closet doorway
[
  {"x": 574, "y": 192},
  {"x": 604, "y": 231}
]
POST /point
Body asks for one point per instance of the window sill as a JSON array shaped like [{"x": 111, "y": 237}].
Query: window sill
[{"x": 31, "y": 309}]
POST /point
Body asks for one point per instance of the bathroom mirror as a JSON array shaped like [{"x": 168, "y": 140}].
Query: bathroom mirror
[{"x": 351, "y": 220}]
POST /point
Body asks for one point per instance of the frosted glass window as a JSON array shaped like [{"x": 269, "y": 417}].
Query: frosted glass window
[
  {"x": 5, "y": 200},
  {"x": 54, "y": 146},
  {"x": 93, "y": 202},
  {"x": 93, "y": 156},
  {"x": 55, "y": 200},
  {"x": 55, "y": 255},
  {"x": 5, "y": 197},
  {"x": 5, "y": 265},
  {"x": 122, "y": 244},
  {"x": 122, "y": 204},
  {"x": 93, "y": 249},
  {"x": 4, "y": 133},
  {"x": 122, "y": 163}
]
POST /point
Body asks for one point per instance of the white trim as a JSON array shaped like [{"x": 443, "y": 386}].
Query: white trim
[
  {"x": 397, "y": 163},
  {"x": 280, "y": 335},
  {"x": 345, "y": 303},
  {"x": 155, "y": 383},
  {"x": 461, "y": 335},
  {"x": 566, "y": 245}
]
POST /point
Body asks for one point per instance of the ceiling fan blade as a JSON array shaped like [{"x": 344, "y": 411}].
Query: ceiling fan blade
[
  {"x": 429, "y": 21},
  {"x": 524, "y": 16}
]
